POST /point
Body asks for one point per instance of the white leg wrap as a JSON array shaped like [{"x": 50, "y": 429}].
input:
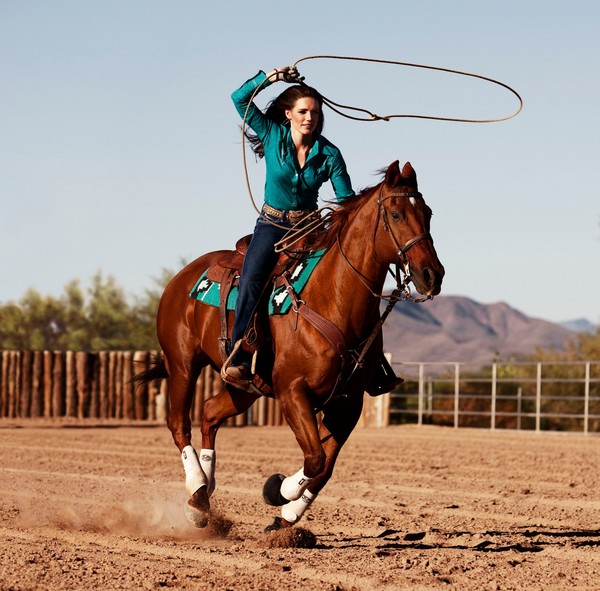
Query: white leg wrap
[
  {"x": 208, "y": 463},
  {"x": 194, "y": 475},
  {"x": 294, "y": 510},
  {"x": 293, "y": 486}
]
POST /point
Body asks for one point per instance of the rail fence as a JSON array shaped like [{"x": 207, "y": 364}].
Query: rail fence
[
  {"x": 535, "y": 396},
  {"x": 85, "y": 385}
]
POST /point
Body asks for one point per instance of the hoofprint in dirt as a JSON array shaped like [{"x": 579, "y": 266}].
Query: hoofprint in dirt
[{"x": 408, "y": 507}]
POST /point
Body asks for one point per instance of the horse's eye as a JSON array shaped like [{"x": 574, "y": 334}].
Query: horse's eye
[{"x": 396, "y": 216}]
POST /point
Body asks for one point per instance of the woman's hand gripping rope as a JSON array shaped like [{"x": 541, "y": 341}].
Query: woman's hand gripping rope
[{"x": 288, "y": 74}]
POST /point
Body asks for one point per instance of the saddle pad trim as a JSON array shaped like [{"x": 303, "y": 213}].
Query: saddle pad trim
[
  {"x": 280, "y": 301},
  {"x": 208, "y": 291}
]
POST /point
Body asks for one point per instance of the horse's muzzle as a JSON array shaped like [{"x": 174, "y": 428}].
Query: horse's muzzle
[{"x": 428, "y": 281}]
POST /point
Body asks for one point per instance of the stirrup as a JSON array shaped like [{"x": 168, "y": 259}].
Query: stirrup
[
  {"x": 239, "y": 384},
  {"x": 242, "y": 384}
]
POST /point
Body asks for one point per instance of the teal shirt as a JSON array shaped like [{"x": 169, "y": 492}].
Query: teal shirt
[{"x": 287, "y": 186}]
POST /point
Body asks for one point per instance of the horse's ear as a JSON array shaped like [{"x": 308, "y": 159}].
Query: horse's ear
[
  {"x": 393, "y": 175},
  {"x": 408, "y": 172}
]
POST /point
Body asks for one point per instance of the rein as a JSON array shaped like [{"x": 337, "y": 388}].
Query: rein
[{"x": 402, "y": 290}]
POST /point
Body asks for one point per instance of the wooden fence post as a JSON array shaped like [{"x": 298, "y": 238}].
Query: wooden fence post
[
  {"x": 25, "y": 404},
  {"x": 37, "y": 385},
  {"x": 95, "y": 391},
  {"x": 103, "y": 370},
  {"x": 118, "y": 385},
  {"x": 153, "y": 393},
  {"x": 13, "y": 383},
  {"x": 126, "y": 386},
  {"x": 48, "y": 359},
  {"x": 110, "y": 385},
  {"x": 161, "y": 402},
  {"x": 70, "y": 382},
  {"x": 58, "y": 384},
  {"x": 84, "y": 367},
  {"x": 3, "y": 382}
]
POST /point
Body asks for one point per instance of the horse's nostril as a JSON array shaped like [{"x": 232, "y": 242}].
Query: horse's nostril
[{"x": 428, "y": 277}]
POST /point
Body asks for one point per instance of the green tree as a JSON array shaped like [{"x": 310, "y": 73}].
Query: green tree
[
  {"x": 144, "y": 312},
  {"x": 100, "y": 319}
]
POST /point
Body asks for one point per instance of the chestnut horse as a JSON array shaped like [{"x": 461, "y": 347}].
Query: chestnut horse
[{"x": 385, "y": 224}]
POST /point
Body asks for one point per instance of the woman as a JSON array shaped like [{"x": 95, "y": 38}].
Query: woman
[{"x": 298, "y": 161}]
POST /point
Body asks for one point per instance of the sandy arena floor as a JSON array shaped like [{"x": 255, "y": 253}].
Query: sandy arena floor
[{"x": 407, "y": 508}]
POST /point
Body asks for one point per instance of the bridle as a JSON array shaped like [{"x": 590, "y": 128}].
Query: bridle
[
  {"x": 404, "y": 248},
  {"x": 402, "y": 290}
]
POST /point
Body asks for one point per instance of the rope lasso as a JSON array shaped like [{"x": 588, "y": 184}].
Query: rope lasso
[
  {"x": 337, "y": 108},
  {"x": 373, "y": 117}
]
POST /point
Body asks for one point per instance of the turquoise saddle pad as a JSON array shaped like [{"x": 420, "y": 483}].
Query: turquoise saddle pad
[{"x": 209, "y": 292}]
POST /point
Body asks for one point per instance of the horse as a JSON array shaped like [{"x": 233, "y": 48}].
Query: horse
[{"x": 320, "y": 399}]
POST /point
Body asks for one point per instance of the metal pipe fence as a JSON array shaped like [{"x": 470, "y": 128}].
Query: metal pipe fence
[{"x": 533, "y": 396}]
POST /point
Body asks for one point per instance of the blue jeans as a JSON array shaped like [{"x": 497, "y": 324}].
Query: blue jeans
[{"x": 259, "y": 261}]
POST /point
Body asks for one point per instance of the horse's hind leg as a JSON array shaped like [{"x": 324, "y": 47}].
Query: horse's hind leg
[
  {"x": 215, "y": 412},
  {"x": 225, "y": 405},
  {"x": 183, "y": 374}
]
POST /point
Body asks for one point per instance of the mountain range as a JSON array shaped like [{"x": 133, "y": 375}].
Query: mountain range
[{"x": 458, "y": 329}]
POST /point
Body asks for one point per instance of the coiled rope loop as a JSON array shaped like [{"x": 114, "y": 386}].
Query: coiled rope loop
[
  {"x": 338, "y": 108},
  {"x": 373, "y": 117}
]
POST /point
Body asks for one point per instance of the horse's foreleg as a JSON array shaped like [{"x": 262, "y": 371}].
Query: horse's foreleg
[
  {"x": 340, "y": 418},
  {"x": 299, "y": 414}
]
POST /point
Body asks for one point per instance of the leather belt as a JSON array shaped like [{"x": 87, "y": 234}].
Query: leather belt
[{"x": 292, "y": 216}]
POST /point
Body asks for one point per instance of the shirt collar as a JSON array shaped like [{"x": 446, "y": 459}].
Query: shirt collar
[{"x": 316, "y": 148}]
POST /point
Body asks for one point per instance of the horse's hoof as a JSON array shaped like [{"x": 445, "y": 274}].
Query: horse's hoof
[
  {"x": 272, "y": 491},
  {"x": 278, "y": 523},
  {"x": 281, "y": 534},
  {"x": 195, "y": 516},
  {"x": 197, "y": 508}
]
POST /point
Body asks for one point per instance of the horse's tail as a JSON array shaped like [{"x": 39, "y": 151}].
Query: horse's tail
[{"x": 157, "y": 370}]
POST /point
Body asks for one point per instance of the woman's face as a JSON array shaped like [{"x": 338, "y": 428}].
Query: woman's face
[{"x": 304, "y": 115}]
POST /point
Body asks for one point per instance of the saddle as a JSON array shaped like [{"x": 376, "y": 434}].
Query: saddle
[
  {"x": 226, "y": 272},
  {"x": 233, "y": 261}
]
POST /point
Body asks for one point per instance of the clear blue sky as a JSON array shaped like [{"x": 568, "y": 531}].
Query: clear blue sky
[{"x": 120, "y": 148}]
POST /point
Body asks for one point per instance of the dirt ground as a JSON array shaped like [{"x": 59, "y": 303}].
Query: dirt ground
[{"x": 408, "y": 508}]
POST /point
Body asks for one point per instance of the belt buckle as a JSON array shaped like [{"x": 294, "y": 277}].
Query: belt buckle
[{"x": 296, "y": 215}]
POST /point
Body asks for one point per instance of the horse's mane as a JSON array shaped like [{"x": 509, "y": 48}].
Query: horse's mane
[{"x": 337, "y": 219}]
